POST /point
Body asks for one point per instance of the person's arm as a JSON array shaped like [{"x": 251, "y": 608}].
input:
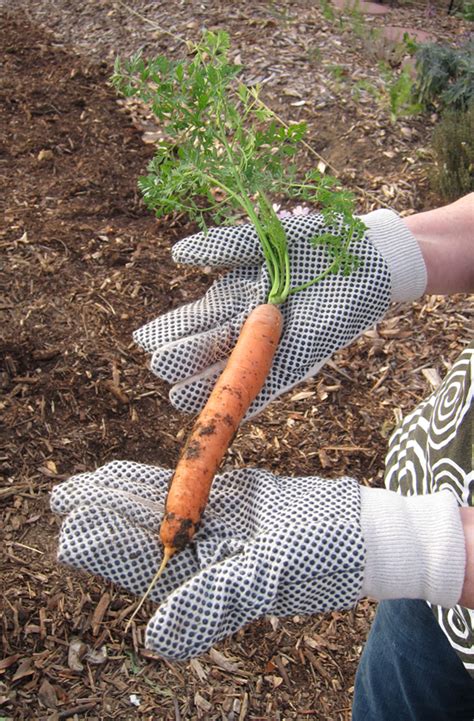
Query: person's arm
[
  {"x": 467, "y": 520},
  {"x": 430, "y": 252},
  {"x": 446, "y": 239}
]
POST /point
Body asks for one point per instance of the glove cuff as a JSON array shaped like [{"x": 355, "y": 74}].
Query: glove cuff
[
  {"x": 400, "y": 249},
  {"x": 415, "y": 546}
]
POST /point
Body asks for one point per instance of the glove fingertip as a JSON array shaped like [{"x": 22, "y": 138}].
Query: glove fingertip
[
  {"x": 189, "y": 250},
  {"x": 223, "y": 246}
]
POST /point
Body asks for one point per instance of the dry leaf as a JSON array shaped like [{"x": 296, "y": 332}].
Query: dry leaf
[
  {"x": 47, "y": 694},
  {"x": 274, "y": 622},
  {"x": 76, "y": 653},
  {"x": 99, "y": 613},
  {"x": 25, "y": 668},
  {"x": 8, "y": 661},
  {"x": 51, "y": 466}
]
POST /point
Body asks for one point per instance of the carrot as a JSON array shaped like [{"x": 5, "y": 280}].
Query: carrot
[{"x": 238, "y": 385}]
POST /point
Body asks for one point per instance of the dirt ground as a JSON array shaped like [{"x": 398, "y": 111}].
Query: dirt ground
[{"x": 83, "y": 264}]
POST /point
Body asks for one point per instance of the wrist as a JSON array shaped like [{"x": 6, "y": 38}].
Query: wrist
[
  {"x": 400, "y": 250},
  {"x": 445, "y": 237},
  {"x": 415, "y": 546}
]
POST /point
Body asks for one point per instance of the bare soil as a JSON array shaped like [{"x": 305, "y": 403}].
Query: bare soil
[{"x": 83, "y": 264}]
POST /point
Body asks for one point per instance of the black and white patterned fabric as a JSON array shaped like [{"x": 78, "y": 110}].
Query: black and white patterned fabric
[
  {"x": 432, "y": 451},
  {"x": 189, "y": 345},
  {"x": 269, "y": 545}
]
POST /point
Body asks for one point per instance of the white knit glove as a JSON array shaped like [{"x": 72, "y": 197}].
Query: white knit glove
[
  {"x": 268, "y": 545},
  {"x": 189, "y": 345}
]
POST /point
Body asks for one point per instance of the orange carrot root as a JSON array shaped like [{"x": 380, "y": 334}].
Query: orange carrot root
[
  {"x": 240, "y": 382},
  {"x": 238, "y": 385}
]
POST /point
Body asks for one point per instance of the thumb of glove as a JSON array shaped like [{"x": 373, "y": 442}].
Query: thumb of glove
[{"x": 224, "y": 246}]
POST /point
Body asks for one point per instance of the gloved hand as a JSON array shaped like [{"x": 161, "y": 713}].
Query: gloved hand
[
  {"x": 189, "y": 345},
  {"x": 268, "y": 545}
]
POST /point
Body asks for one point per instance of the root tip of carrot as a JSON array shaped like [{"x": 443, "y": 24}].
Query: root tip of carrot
[{"x": 168, "y": 551}]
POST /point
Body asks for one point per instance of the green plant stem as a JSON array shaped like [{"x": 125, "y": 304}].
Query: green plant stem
[
  {"x": 330, "y": 269},
  {"x": 275, "y": 251},
  {"x": 277, "y": 239},
  {"x": 246, "y": 205}
]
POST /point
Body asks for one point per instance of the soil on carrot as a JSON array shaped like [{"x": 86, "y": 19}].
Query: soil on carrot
[{"x": 83, "y": 265}]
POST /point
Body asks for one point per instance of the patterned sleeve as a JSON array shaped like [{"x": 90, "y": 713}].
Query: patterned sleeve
[{"x": 432, "y": 450}]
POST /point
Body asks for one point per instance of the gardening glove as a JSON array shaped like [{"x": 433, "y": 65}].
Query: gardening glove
[
  {"x": 267, "y": 545},
  {"x": 189, "y": 345}
]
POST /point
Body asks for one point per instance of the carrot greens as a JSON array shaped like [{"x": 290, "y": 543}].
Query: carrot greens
[{"x": 223, "y": 152}]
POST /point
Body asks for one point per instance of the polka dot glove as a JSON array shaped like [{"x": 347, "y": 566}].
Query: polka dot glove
[
  {"x": 189, "y": 345},
  {"x": 268, "y": 545}
]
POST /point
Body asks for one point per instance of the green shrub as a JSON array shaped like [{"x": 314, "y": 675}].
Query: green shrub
[
  {"x": 445, "y": 76},
  {"x": 401, "y": 99},
  {"x": 466, "y": 11},
  {"x": 453, "y": 150}
]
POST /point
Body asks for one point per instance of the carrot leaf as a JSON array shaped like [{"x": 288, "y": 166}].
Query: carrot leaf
[{"x": 223, "y": 152}]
